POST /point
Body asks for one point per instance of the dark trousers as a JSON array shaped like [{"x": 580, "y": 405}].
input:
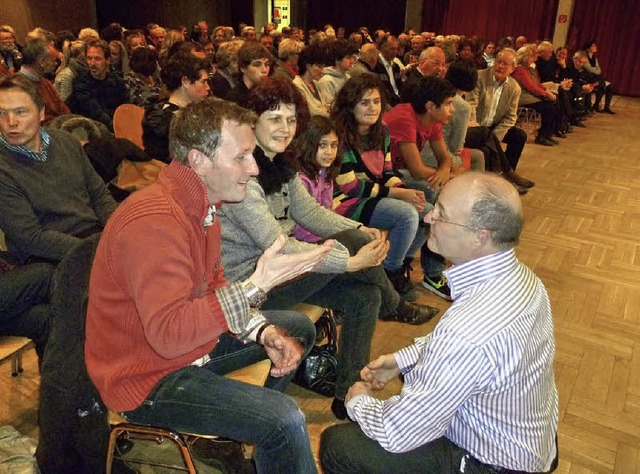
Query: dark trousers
[
  {"x": 495, "y": 159},
  {"x": 550, "y": 114},
  {"x": 360, "y": 296},
  {"x": 515, "y": 138},
  {"x": 24, "y": 293},
  {"x": 346, "y": 449}
]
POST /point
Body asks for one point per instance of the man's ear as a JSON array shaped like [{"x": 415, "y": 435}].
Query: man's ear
[
  {"x": 482, "y": 237},
  {"x": 197, "y": 161},
  {"x": 430, "y": 106}
]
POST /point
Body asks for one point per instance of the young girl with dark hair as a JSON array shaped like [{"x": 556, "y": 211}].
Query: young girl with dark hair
[{"x": 318, "y": 149}]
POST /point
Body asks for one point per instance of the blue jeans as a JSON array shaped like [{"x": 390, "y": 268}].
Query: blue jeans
[
  {"x": 432, "y": 263},
  {"x": 201, "y": 400},
  {"x": 405, "y": 234}
]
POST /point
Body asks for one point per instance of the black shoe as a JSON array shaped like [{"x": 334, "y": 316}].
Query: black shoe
[
  {"x": 569, "y": 129},
  {"x": 540, "y": 140},
  {"x": 608, "y": 110},
  {"x": 553, "y": 140},
  {"x": 339, "y": 410},
  {"x": 411, "y": 313},
  {"x": 560, "y": 134},
  {"x": 521, "y": 189},
  {"x": 402, "y": 284},
  {"x": 578, "y": 123},
  {"x": 597, "y": 108}
]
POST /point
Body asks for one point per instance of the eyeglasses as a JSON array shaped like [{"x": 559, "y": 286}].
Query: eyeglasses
[{"x": 437, "y": 218}]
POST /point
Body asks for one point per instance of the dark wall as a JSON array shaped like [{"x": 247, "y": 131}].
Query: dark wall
[
  {"x": 24, "y": 15},
  {"x": 168, "y": 13},
  {"x": 352, "y": 14}
]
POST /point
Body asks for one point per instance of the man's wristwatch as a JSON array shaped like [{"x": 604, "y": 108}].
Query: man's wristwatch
[{"x": 255, "y": 295}]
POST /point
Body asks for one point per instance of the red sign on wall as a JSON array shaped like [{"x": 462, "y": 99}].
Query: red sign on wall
[{"x": 562, "y": 18}]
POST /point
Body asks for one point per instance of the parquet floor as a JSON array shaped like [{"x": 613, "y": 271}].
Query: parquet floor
[{"x": 581, "y": 238}]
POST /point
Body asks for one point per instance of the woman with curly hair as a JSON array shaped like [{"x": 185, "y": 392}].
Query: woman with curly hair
[{"x": 369, "y": 189}]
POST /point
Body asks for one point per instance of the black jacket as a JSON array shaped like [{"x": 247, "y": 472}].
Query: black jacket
[{"x": 97, "y": 99}]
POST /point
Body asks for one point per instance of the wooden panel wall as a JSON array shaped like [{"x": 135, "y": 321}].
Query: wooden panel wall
[
  {"x": 24, "y": 15},
  {"x": 168, "y": 13}
]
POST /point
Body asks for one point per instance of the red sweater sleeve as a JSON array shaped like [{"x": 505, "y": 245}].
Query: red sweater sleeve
[{"x": 527, "y": 83}]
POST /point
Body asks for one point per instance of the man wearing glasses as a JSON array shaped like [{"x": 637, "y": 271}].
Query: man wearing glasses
[{"x": 479, "y": 394}]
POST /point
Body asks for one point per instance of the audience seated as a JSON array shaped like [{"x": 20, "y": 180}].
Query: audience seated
[
  {"x": 349, "y": 278},
  {"x": 311, "y": 65},
  {"x": 387, "y": 70},
  {"x": 226, "y": 76},
  {"x": 463, "y": 76},
  {"x": 535, "y": 96},
  {"x": 498, "y": 111},
  {"x": 603, "y": 88},
  {"x": 288, "y": 54},
  {"x": 140, "y": 82},
  {"x": 368, "y": 60},
  {"x": 186, "y": 79},
  {"x": 413, "y": 125},
  {"x": 368, "y": 189},
  {"x": 342, "y": 56},
  {"x": 24, "y": 294},
  {"x": 97, "y": 93},
  {"x": 173, "y": 347},
  {"x": 254, "y": 64},
  {"x": 10, "y": 55},
  {"x": 50, "y": 195},
  {"x": 38, "y": 59},
  {"x": 74, "y": 60},
  {"x": 553, "y": 76}
]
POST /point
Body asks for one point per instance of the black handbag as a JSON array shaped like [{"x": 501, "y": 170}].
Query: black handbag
[{"x": 318, "y": 371}]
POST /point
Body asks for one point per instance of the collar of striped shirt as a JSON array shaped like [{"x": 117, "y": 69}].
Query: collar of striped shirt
[
  {"x": 34, "y": 155},
  {"x": 465, "y": 275}
]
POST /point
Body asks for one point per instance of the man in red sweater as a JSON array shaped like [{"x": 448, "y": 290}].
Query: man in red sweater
[{"x": 163, "y": 324}]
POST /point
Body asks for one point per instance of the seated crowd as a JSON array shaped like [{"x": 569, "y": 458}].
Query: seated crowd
[{"x": 284, "y": 168}]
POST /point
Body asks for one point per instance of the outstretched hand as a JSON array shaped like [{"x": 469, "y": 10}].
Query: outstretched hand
[
  {"x": 285, "y": 352},
  {"x": 274, "y": 268},
  {"x": 380, "y": 371}
]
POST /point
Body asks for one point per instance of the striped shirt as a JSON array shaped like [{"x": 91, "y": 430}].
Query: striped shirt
[{"x": 483, "y": 378}]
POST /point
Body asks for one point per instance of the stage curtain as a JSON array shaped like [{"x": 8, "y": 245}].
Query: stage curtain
[
  {"x": 613, "y": 24},
  {"x": 491, "y": 19}
]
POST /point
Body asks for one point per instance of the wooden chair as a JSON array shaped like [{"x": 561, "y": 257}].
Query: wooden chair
[
  {"x": 127, "y": 123},
  {"x": 122, "y": 430},
  {"x": 12, "y": 348}
]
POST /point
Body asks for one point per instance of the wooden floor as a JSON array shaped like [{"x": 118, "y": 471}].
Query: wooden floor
[{"x": 581, "y": 238}]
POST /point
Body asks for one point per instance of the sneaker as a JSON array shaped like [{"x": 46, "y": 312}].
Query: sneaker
[
  {"x": 402, "y": 284},
  {"x": 411, "y": 313},
  {"x": 439, "y": 287}
]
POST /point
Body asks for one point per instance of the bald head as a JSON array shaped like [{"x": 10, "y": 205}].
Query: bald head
[
  {"x": 433, "y": 62},
  {"x": 369, "y": 54},
  {"x": 496, "y": 206}
]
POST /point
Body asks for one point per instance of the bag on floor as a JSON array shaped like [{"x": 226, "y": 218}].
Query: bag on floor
[{"x": 318, "y": 371}]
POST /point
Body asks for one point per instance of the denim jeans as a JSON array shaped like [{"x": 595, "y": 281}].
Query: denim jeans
[
  {"x": 24, "y": 294},
  {"x": 360, "y": 296},
  {"x": 345, "y": 448},
  {"x": 405, "y": 236},
  {"x": 201, "y": 400},
  {"x": 432, "y": 264}
]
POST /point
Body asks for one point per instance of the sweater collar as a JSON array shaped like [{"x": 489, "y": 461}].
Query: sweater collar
[{"x": 188, "y": 189}]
